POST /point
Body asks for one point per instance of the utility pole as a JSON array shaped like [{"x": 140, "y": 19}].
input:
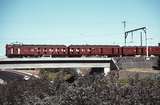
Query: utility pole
[
  {"x": 141, "y": 38},
  {"x": 146, "y": 38},
  {"x": 137, "y": 29},
  {"x": 124, "y": 30},
  {"x": 144, "y": 29}
]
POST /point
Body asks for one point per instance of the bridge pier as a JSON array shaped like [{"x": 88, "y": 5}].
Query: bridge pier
[
  {"x": 87, "y": 71},
  {"x": 106, "y": 71}
]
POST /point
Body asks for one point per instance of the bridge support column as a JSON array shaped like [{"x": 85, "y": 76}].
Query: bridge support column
[
  {"x": 83, "y": 71},
  {"x": 106, "y": 71},
  {"x": 78, "y": 70}
]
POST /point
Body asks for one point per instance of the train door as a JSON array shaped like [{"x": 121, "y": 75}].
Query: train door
[
  {"x": 120, "y": 51},
  {"x": 101, "y": 51},
  {"x": 115, "y": 51},
  {"x": 11, "y": 50},
  {"x": 16, "y": 51},
  {"x": 139, "y": 51},
  {"x": 92, "y": 51}
]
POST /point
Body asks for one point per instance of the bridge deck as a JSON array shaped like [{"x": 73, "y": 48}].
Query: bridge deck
[
  {"x": 57, "y": 59},
  {"x": 13, "y": 63}
]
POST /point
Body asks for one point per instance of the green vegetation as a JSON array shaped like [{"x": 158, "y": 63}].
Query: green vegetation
[
  {"x": 57, "y": 74},
  {"x": 87, "y": 90}
]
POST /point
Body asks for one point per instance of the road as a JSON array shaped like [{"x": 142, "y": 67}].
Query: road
[{"x": 9, "y": 76}]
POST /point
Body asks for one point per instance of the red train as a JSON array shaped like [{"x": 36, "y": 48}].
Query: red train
[{"x": 22, "y": 50}]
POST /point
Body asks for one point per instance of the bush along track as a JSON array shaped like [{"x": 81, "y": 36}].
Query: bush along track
[{"x": 87, "y": 90}]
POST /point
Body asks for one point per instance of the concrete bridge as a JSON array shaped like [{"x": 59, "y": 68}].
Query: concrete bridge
[{"x": 79, "y": 62}]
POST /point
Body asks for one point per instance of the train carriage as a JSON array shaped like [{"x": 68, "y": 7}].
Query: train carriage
[
  {"x": 20, "y": 50},
  {"x": 93, "y": 50},
  {"x": 24, "y": 50}
]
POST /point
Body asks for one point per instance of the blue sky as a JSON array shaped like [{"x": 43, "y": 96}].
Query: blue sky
[{"x": 76, "y": 21}]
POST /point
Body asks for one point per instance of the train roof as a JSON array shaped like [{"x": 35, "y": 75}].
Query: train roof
[
  {"x": 94, "y": 45},
  {"x": 34, "y": 45}
]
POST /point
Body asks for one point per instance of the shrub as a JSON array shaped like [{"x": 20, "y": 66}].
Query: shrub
[{"x": 87, "y": 90}]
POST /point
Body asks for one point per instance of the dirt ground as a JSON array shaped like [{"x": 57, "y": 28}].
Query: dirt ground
[
  {"x": 141, "y": 72},
  {"x": 123, "y": 74}
]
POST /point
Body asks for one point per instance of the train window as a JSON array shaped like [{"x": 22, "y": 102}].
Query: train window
[
  {"x": 32, "y": 50},
  {"x": 64, "y": 50},
  {"x": 18, "y": 50},
  {"x": 71, "y": 50},
  {"x": 89, "y": 49},
  {"x": 45, "y": 50},
  {"x": 77, "y": 50},
  {"x": 11, "y": 50},
  {"x": 82, "y": 50},
  {"x": 38, "y": 48},
  {"x": 56, "y": 50},
  {"x": 93, "y": 49},
  {"x": 50, "y": 49}
]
